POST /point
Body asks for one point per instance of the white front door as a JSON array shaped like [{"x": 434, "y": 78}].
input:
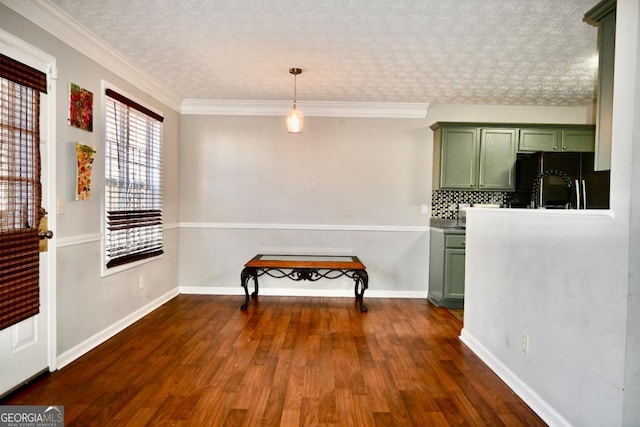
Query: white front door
[{"x": 27, "y": 348}]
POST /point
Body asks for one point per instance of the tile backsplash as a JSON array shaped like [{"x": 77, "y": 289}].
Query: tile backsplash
[{"x": 444, "y": 204}]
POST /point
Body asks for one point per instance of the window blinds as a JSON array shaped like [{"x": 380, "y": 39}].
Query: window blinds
[
  {"x": 20, "y": 190},
  {"x": 133, "y": 181}
]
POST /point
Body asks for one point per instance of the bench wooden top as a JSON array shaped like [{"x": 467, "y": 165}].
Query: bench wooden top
[{"x": 334, "y": 262}]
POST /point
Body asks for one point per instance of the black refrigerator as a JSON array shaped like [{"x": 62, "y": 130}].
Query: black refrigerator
[{"x": 559, "y": 181}]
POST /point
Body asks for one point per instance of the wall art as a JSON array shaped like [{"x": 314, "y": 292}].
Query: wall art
[
  {"x": 80, "y": 108},
  {"x": 84, "y": 155}
]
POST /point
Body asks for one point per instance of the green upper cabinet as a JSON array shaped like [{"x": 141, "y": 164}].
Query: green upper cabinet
[
  {"x": 497, "y": 159},
  {"x": 603, "y": 15},
  {"x": 482, "y": 156},
  {"x": 539, "y": 139},
  {"x": 557, "y": 138},
  {"x": 459, "y": 160},
  {"x": 579, "y": 140},
  {"x": 474, "y": 158}
]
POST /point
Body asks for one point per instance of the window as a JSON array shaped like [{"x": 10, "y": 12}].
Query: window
[
  {"x": 20, "y": 190},
  {"x": 133, "y": 181}
]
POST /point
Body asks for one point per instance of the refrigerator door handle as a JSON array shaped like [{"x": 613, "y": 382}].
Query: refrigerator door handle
[
  {"x": 577, "y": 194},
  {"x": 540, "y": 192},
  {"x": 584, "y": 194}
]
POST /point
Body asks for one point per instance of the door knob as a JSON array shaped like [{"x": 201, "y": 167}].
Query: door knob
[{"x": 45, "y": 234}]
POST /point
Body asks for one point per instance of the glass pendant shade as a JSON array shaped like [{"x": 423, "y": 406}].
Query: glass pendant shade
[
  {"x": 295, "y": 117},
  {"x": 295, "y": 120}
]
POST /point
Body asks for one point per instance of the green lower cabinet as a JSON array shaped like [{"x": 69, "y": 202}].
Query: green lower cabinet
[
  {"x": 454, "y": 274},
  {"x": 446, "y": 269}
]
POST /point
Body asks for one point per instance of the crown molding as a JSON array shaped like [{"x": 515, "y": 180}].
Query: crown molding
[
  {"x": 599, "y": 11},
  {"x": 310, "y": 108},
  {"x": 58, "y": 23}
]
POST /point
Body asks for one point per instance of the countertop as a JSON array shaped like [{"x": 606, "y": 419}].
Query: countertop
[{"x": 448, "y": 225}]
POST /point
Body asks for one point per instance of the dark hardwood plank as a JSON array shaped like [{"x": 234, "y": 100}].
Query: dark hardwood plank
[{"x": 286, "y": 361}]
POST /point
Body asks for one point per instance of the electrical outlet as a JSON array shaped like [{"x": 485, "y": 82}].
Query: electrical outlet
[
  {"x": 424, "y": 209},
  {"x": 142, "y": 281},
  {"x": 525, "y": 343}
]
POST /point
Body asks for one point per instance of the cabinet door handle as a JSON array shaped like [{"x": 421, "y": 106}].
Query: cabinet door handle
[{"x": 564, "y": 147}]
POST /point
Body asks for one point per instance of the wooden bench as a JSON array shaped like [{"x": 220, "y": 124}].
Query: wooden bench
[{"x": 305, "y": 267}]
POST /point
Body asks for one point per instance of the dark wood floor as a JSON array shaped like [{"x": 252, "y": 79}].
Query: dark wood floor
[{"x": 288, "y": 361}]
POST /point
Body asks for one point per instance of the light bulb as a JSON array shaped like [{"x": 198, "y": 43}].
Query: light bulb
[{"x": 295, "y": 120}]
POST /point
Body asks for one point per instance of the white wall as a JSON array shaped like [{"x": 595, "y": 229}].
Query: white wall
[
  {"x": 89, "y": 306},
  {"x": 351, "y": 186},
  {"x": 510, "y": 114},
  {"x": 628, "y": 126},
  {"x": 560, "y": 280},
  {"x": 339, "y": 171},
  {"x": 569, "y": 282}
]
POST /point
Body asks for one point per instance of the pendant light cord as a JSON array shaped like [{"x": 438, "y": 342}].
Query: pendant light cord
[
  {"x": 295, "y": 86},
  {"x": 295, "y": 72}
]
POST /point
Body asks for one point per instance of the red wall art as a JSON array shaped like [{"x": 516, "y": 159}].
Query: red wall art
[{"x": 80, "y": 108}]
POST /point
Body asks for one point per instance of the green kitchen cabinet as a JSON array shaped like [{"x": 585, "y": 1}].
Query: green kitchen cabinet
[
  {"x": 579, "y": 140},
  {"x": 459, "y": 158},
  {"x": 474, "y": 158},
  {"x": 497, "y": 159},
  {"x": 446, "y": 268},
  {"x": 603, "y": 16},
  {"x": 558, "y": 139},
  {"x": 539, "y": 139}
]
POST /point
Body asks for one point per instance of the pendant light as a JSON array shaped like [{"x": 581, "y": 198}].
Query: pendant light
[{"x": 295, "y": 117}]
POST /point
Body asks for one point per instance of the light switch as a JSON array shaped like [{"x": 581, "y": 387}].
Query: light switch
[{"x": 59, "y": 206}]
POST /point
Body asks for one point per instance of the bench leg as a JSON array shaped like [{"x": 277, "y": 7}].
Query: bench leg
[
  {"x": 255, "y": 284},
  {"x": 362, "y": 278},
  {"x": 244, "y": 282}
]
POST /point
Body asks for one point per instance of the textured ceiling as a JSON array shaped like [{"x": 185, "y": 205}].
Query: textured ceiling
[{"x": 515, "y": 52}]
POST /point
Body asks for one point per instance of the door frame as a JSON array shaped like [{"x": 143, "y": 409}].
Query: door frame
[{"x": 40, "y": 60}]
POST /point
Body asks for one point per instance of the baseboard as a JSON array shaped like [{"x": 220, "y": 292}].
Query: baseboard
[
  {"x": 529, "y": 396},
  {"x": 99, "y": 338},
  {"x": 300, "y": 292}
]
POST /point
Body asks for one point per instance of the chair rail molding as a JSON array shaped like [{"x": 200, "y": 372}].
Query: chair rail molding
[{"x": 321, "y": 227}]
